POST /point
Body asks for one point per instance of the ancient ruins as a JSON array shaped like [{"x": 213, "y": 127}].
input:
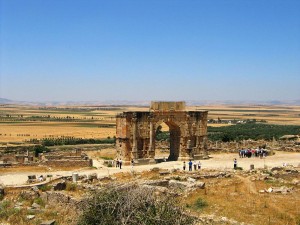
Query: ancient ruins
[{"x": 136, "y": 131}]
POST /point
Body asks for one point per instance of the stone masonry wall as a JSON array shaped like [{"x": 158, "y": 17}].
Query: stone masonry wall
[{"x": 68, "y": 163}]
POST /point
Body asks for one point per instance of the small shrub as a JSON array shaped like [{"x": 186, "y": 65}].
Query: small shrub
[
  {"x": 238, "y": 168},
  {"x": 45, "y": 188},
  {"x": 39, "y": 201},
  {"x": 1, "y": 197},
  {"x": 132, "y": 205},
  {"x": 200, "y": 203},
  {"x": 71, "y": 187}
]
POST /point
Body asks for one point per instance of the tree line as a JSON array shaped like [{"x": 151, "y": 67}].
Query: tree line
[
  {"x": 238, "y": 132},
  {"x": 72, "y": 141}
]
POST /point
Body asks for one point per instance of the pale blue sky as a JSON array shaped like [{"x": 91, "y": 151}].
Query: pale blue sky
[{"x": 86, "y": 50}]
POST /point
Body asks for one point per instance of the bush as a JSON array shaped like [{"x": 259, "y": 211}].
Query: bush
[
  {"x": 200, "y": 203},
  {"x": 39, "y": 201},
  {"x": 45, "y": 188},
  {"x": 71, "y": 187},
  {"x": 40, "y": 149},
  {"x": 132, "y": 205}
]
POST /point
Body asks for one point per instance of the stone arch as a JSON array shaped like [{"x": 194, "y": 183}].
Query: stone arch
[{"x": 135, "y": 137}]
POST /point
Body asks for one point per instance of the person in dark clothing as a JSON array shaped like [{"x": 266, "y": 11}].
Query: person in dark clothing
[
  {"x": 190, "y": 165},
  {"x": 120, "y": 163}
]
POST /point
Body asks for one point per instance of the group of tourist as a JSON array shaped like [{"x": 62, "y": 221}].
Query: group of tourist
[
  {"x": 119, "y": 163},
  {"x": 191, "y": 164},
  {"x": 248, "y": 153}
]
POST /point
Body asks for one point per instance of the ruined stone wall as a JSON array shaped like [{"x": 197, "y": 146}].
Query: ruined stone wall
[
  {"x": 61, "y": 198},
  {"x": 68, "y": 163}
]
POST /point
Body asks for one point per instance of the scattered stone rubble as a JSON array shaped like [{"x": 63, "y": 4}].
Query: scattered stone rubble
[
  {"x": 212, "y": 219},
  {"x": 169, "y": 182}
]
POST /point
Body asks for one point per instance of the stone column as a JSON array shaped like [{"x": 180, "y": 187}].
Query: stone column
[
  {"x": 134, "y": 138},
  {"x": 151, "y": 144}
]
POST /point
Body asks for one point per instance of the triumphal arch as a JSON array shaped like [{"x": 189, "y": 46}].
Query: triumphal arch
[{"x": 135, "y": 135}]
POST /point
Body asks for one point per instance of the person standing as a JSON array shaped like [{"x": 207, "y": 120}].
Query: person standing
[
  {"x": 234, "y": 163},
  {"x": 199, "y": 165},
  {"x": 190, "y": 165},
  {"x": 184, "y": 165},
  {"x": 195, "y": 165},
  {"x": 120, "y": 163}
]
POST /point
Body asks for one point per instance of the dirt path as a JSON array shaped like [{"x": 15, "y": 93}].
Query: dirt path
[
  {"x": 248, "y": 184},
  {"x": 218, "y": 161}
]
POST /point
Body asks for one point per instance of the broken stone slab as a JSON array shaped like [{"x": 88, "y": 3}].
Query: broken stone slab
[
  {"x": 197, "y": 177},
  {"x": 156, "y": 188},
  {"x": 283, "y": 190},
  {"x": 200, "y": 185},
  {"x": 191, "y": 180},
  {"x": 35, "y": 188},
  {"x": 162, "y": 183},
  {"x": 30, "y": 217},
  {"x": 178, "y": 184},
  {"x": 164, "y": 172},
  {"x": 48, "y": 222},
  {"x": 35, "y": 206}
]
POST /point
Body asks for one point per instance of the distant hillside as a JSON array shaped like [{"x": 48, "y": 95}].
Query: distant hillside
[
  {"x": 147, "y": 103},
  {"x": 5, "y": 101}
]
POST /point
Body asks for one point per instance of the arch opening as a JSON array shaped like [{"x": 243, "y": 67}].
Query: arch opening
[{"x": 167, "y": 141}]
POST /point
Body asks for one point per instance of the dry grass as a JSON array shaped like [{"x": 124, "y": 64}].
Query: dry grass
[{"x": 234, "y": 199}]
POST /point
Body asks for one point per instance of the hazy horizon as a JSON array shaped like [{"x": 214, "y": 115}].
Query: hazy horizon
[{"x": 149, "y": 50}]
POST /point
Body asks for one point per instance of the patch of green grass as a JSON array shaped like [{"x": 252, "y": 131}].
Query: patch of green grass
[
  {"x": 39, "y": 201},
  {"x": 200, "y": 204},
  {"x": 45, "y": 188}
]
